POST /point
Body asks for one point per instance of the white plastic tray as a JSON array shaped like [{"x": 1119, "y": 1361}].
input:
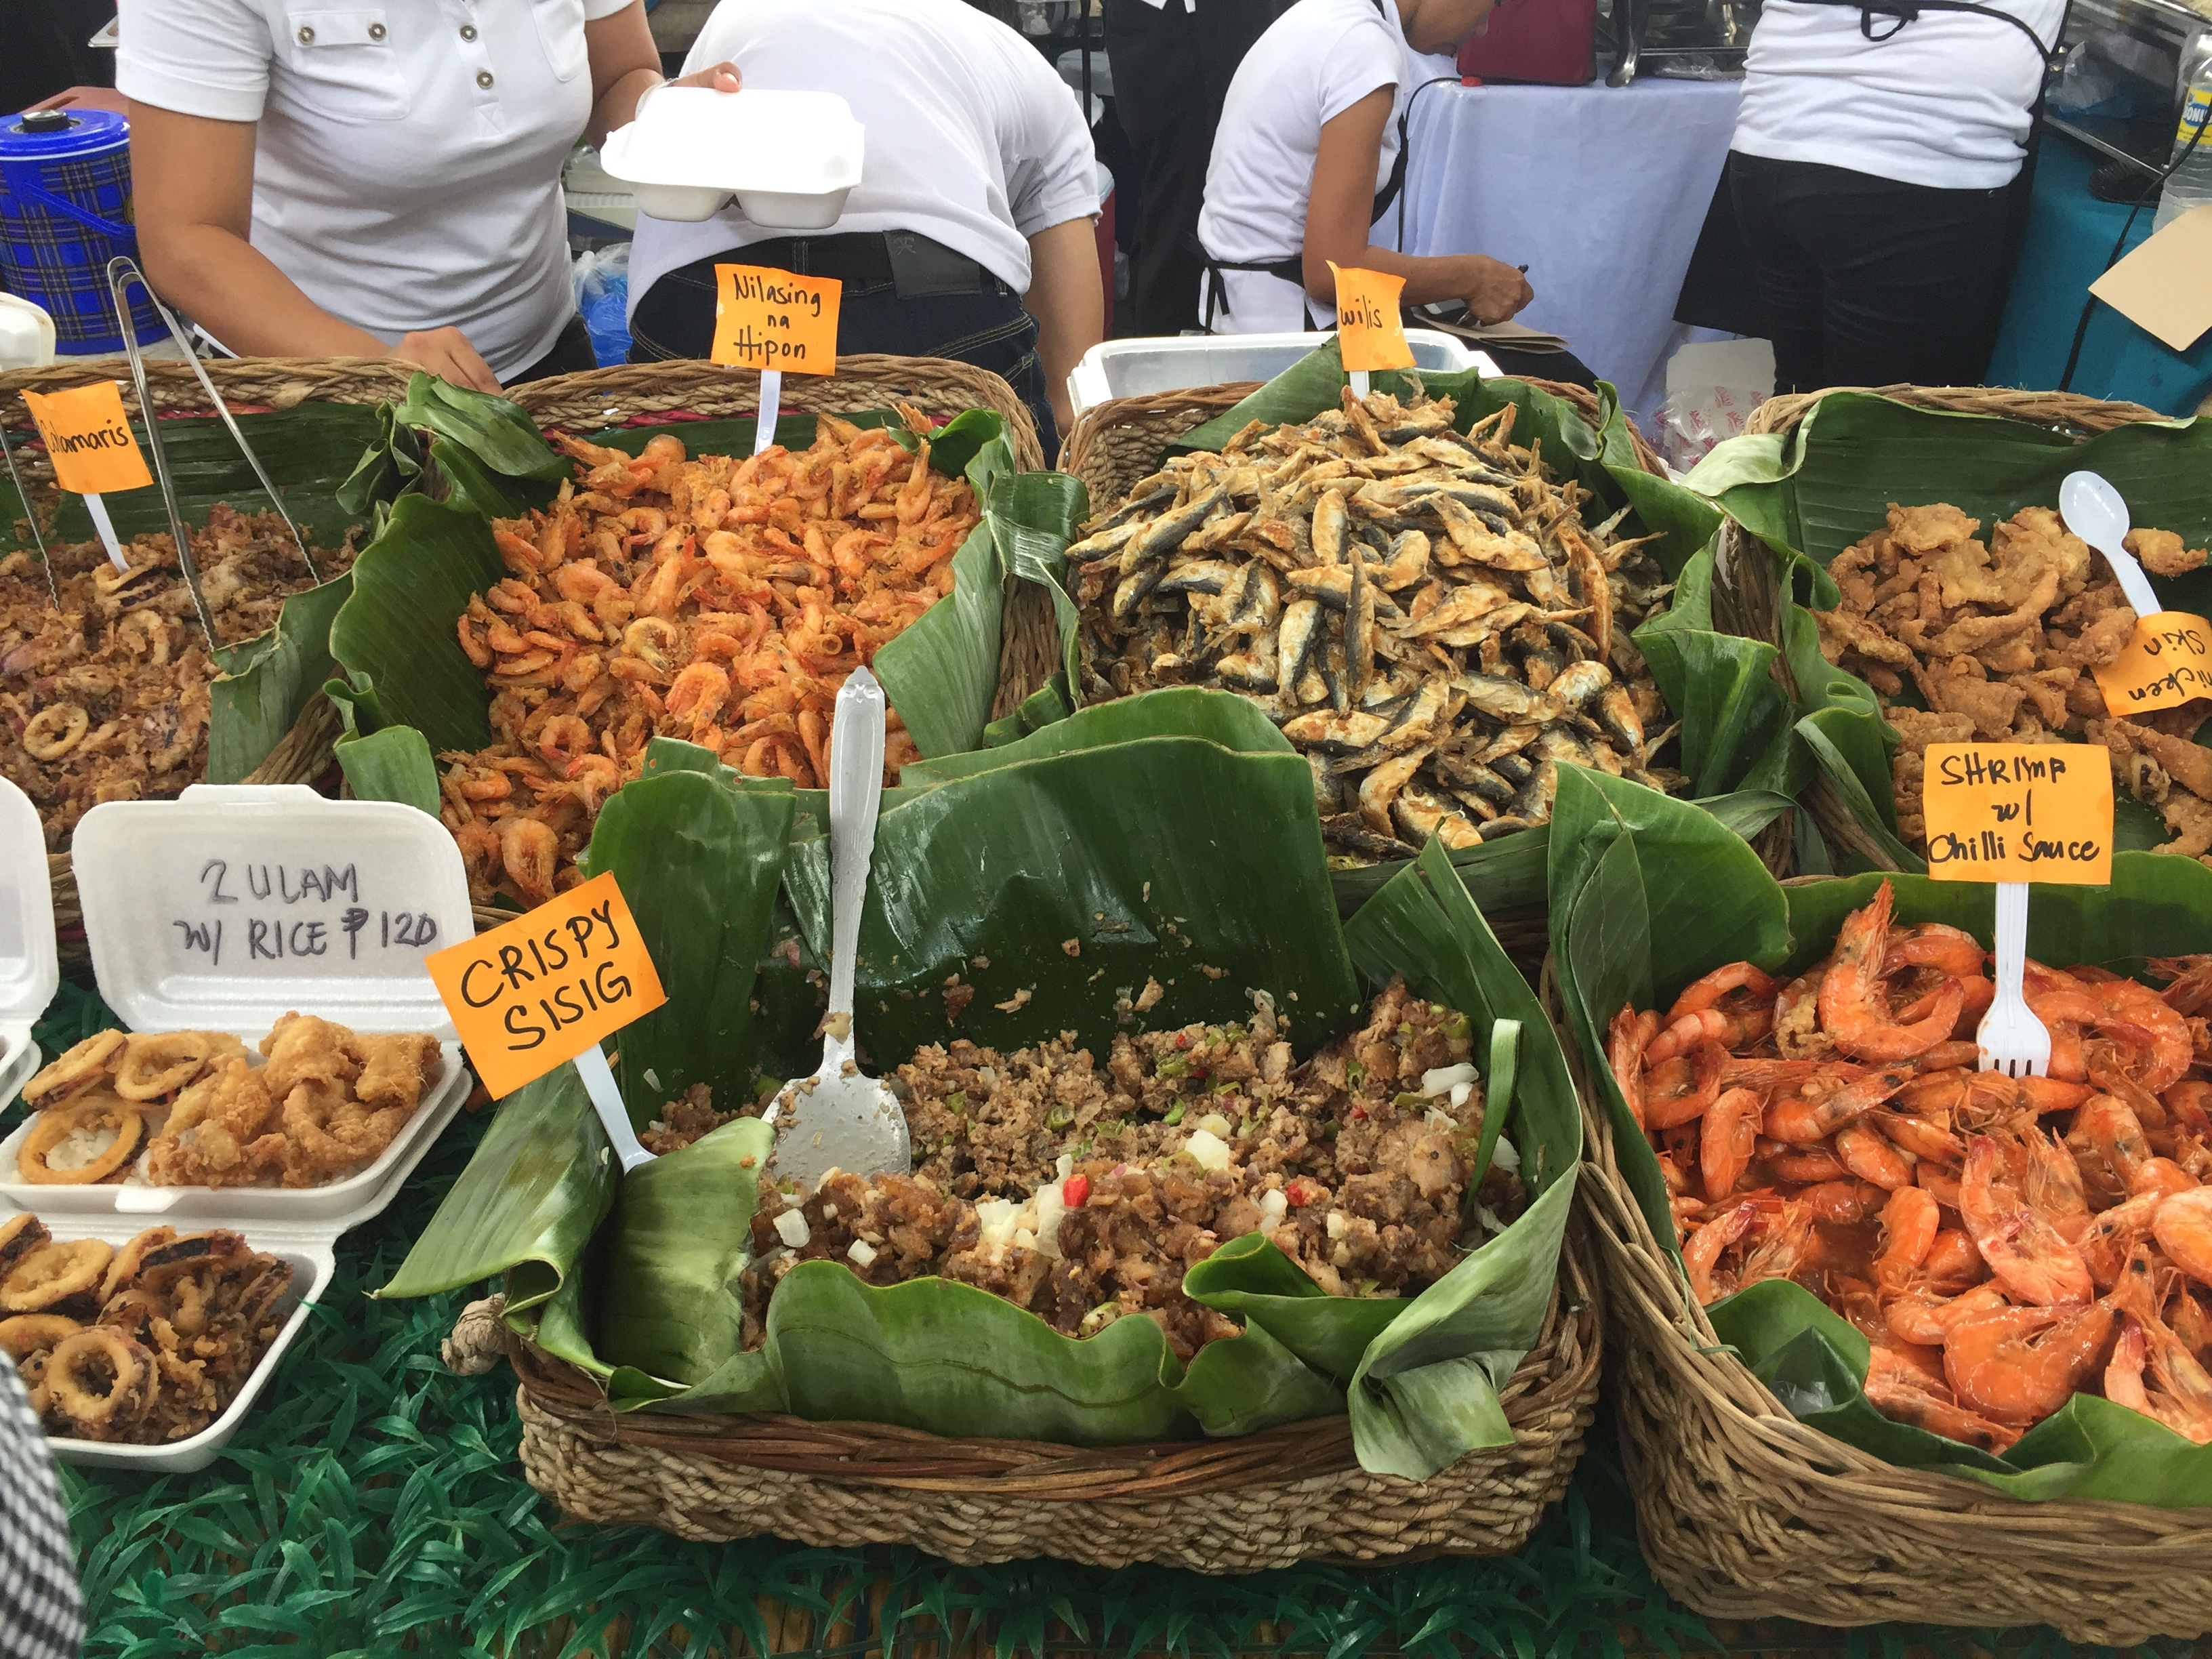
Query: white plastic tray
[
  {"x": 313, "y": 1265},
  {"x": 30, "y": 961},
  {"x": 345, "y": 1203},
  {"x": 1139, "y": 367}
]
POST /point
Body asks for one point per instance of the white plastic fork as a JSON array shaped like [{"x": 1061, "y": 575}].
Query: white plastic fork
[{"x": 2012, "y": 1040}]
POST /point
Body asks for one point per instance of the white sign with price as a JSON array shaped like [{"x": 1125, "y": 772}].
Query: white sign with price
[{"x": 225, "y": 907}]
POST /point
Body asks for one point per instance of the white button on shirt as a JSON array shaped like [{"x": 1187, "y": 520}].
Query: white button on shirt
[{"x": 407, "y": 166}]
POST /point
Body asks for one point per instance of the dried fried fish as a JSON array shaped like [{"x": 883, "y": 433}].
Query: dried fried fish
[{"x": 1403, "y": 600}]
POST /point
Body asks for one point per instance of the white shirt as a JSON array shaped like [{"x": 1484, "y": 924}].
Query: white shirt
[
  {"x": 1943, "y": 102},
  {"x": 407, "y": 164},
  {"x": 1315, "y": 62},
  {"x": 973, "y": 139}
]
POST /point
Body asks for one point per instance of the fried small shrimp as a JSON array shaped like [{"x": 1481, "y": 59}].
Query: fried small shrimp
[
  {"x": 396, "y": 1070},
  {"x": 300, "y": 1047},
  {"x": 529, "y": 853}
]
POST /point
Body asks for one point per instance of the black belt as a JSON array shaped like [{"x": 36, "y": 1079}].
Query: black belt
[{"x": 913, "y": 264}]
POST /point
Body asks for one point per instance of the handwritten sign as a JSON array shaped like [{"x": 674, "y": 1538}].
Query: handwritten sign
[
  {"x": 548, "y": 986},
  {"x": 2019, "y": 811},
  {"x": 1369, "y": 330},
  {"x": 89, "y": 439},
  {"x": 243, "y": 912},
  {"x": 771, "y": 320},
  {"x": 2167, "y": 660}
]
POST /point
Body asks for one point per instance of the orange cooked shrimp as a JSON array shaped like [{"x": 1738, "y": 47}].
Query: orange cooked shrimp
[
  {"x": 1703, "y": 1249},
  {"x": 1818, "y": 1110},
  {"x": 2182, "y": 1225},
  {"x": 1677, "y": 1090},
  {"x": 2020, "y": 1364},
  {"x": 1910, "y": 1222},
  {"x": 1902, "y": 1393},
  {"x": 1731, "y": 1126},
  {"x": 1869, "y": 1154},
  {"x": 1852, "y": 1006},
  {"x": 2025, "y": 1252}
]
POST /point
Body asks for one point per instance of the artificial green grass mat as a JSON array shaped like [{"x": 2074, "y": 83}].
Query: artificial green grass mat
[{"x": 372, "y": 1504}]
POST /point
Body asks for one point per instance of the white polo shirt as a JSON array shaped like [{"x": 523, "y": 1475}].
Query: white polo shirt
[
  {"x": 1315, "y": 62},
  {"x": 973, "y": 140},
  {"x": 407, "y": 164}
]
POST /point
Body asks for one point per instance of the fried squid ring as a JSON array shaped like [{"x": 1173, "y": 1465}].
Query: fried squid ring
[
  {"x": 54, "y": 1129},
  {"x": 19, "y": 1236},
  {"x": 52, "y": 732},
  {"x": 156, "y": 1064},
  {"x": 84, "y": 1064},
  {"x": 131, "y": 1258},
  {"x": 25, "y": 1334},
  {"x": 100, "y": 1381},
  {"x": 56, "y": 1273}
]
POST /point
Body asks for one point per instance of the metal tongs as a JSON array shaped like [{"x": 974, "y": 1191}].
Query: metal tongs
[{"x": 122, "y": 271}]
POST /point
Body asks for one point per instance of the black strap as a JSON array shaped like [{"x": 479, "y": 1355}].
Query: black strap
[
  {"x": 1909, "y": 11},
  {"x": 1396, "y": 181}
]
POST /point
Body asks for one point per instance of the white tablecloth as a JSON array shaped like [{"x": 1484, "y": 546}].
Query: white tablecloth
[{"x": 1600, "y": 191}]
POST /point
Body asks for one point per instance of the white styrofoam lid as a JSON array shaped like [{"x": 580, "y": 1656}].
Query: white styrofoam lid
[
  {"x": 222, "y": 909},
  {"x": 30, "y": 963},
  {"x": 797, "y": 143}
]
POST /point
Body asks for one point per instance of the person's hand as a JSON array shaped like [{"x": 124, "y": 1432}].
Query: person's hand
[
  {"x": 105, "y": 98},
  {"x": 721, "y": 77},
  {"x": 1497, "y": 291},
  {"x": 446, "y": 353}
]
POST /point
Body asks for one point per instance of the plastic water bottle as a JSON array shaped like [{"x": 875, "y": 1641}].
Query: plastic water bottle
[{"x": 2190, "y": 184}]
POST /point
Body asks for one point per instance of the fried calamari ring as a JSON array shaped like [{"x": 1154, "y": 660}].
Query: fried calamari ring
[
  {"x": 52, "y": 732},
  {"x": 55, "y": 1127},
  {"x": 25, "y": 1334},
  {"x": 159, "y": 1063},
  {"x": 55, "y": 1274},
  {"x": 100, "y": 1381},
  {"x": 19, "y": 1236},
  {"x": 84, "y": 1064},
  {"x": 131, "y": 1258}
]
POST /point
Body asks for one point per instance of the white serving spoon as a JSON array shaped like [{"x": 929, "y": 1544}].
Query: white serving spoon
[
  {"x": 840, "y": 1118},
  {"x": 2097, "y": 513}
]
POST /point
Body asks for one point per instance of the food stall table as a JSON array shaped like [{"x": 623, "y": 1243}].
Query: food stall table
[
  {"x": 1599, "y": 190},
  {"x": 373, "y": 1501},
  {"x": 2070, "y": 235}
]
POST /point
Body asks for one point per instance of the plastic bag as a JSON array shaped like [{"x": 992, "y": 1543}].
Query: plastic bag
[
  {"x": 1713, "y": 386},
  {"x": 602, "y": 281}
]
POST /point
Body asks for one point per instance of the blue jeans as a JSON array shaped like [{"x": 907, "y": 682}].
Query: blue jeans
[{"x": 675, "y": 318}]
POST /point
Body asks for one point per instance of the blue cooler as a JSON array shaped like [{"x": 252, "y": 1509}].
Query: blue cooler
[{"x": 65, "y": 213}]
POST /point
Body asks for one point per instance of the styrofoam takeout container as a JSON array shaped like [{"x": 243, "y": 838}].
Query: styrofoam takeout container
[
  {"x": 314, "y": 1264},
  {"x": 1141, "y": 368},
  {"x": 30, "y": 962},
  {"x": 229, "y": 907},
  {"x": 790, "y": 158}
]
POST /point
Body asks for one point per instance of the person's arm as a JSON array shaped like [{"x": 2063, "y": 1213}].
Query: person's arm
[
  {"x": 1340, "y": 214},
  {"x": 192, "y": 184},
  {"x": 1068, "y": 299},
  {"x": 626, "y": 65}
]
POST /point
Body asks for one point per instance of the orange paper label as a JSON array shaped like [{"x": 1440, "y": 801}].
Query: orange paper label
[
  {"x": 767, "y": 319},
  {"x": 1369, "y": 330},
  {"x": 2019, "y": 811},
  {"x": 2167, "y": 660},
  {"x": 89, "y": 439},
  {"x": 539, "y": 991}
]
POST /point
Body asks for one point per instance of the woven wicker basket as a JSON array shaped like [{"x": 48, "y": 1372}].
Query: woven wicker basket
[
  {"x": 1284, "y": 1495},
  {"x": 303, "y": 755},
  {"x": 1747, "y": 599},
  {"x": 1743, "y": 1512},
  {"x": 1114, "y": 445},
  {"x": 1029, "y": 647}
]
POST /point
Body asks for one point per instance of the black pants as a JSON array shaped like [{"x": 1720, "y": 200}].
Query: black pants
[
  {"x": 1171, "y": 70},
  {"x": 571, "y": 353},
  {"x": 1868, "y": 282},
  {"x": 989, "y": 329}
]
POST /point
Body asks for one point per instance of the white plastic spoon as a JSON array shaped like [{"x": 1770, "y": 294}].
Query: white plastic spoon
[
  {"x": 840, "y": 1118},
  {"x": 2097, "y": 513}
]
